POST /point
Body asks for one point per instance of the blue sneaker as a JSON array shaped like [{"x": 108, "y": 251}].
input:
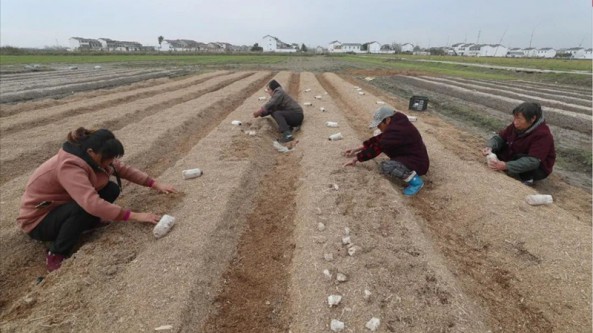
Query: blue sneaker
[{"x": 414, "y": 186}]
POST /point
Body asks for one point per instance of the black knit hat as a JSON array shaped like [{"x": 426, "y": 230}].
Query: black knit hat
[{"x": 273, "y": 85}]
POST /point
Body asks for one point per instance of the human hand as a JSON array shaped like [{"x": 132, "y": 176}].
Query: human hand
[
  {"x": 351, "y": 163},
  {"x": 351, "y": 152},
  {"x": 497, "y": 165},
  {"x": 348, "y": 153},
  {"x": 486, "y": 151},
  {"x": 164, "y": 188},
  {"x": 145, "y": 217}
]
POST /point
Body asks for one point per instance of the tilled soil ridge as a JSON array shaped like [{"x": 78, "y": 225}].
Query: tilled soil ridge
[
  {"x": 505, "y": 253},
  {"x": 256, "y": 232}
]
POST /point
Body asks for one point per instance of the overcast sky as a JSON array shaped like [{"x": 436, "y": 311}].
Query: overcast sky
[{"x": 428, "y": 23}]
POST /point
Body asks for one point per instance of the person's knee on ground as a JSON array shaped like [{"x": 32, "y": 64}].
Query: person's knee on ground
[
  {"x": 71, "y": 230},
  {"x": 64, "y": 232},
  {"x": 110, "y": 192}
]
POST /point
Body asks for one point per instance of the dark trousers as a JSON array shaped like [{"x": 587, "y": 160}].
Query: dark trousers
[
  {"x": 287, "y": 119},
  {"x": 65, "y": 224}
]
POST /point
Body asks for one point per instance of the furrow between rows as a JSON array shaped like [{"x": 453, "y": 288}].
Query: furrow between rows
[
  {"x": 577, "y": 89},
  {"x": 491, "y": 256},
  {"x": 380, "y": 225},
  {"x": 13, "y": 153},
  {"x": 36, "y": 117},
  {"x": 558, "y": 94},
  {"x": 59, "y": 80},
  {"x": 48, "y": 75},
  {"x": 71, "y": 88},
  {"x": 210, "y": 217},
  {"x": 565, "y": 119},
  {"x": 259, "y": 271},
  {"x": 152, "y": 146},
  {"x": 546, "y": 102}
]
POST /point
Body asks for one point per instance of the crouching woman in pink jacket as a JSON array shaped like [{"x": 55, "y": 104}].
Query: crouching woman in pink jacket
[{"x": 71, "y": 192}]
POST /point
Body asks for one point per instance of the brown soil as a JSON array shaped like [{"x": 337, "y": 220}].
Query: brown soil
[{"x": 256, "y": 231}]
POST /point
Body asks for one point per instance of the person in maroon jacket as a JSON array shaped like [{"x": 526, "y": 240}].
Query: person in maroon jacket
[
  {"x": 525, "y": 148},
  {"x": 71, "y": 192},
  {"x": 401, "y": 142}
]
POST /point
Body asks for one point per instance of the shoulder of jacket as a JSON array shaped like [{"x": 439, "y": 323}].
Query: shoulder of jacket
[{"x": 67, "y": 158}]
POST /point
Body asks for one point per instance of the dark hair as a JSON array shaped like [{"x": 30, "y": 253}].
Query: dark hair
[
  {"x": 100, "y": 141},
  {"x": 273, "y": 85},
  {"x": 529, "y": 110}
]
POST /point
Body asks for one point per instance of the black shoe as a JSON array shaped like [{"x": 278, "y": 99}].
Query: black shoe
[
  {"x": 528, "y": 182},
  {"x": 286, "y": 138}
]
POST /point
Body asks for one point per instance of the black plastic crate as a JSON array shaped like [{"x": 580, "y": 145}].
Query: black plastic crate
[{"x": 418, "y": 103}]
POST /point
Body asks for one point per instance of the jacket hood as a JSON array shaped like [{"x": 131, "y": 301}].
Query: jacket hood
[
  {"x": 77, "y": 151},
  {"x": 533, "y": 127}
]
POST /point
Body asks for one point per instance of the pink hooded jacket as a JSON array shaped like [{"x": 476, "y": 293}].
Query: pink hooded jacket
[{"x": 65, "y": 178}]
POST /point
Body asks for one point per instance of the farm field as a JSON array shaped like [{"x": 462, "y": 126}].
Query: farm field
[{"x": 257, "y": 230}]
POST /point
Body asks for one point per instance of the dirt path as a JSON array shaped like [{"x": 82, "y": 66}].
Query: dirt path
[{"x": 255, "y": 233}]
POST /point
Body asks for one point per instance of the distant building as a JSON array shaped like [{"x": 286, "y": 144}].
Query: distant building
[
  {"x": 111, "y": 45},
  {"x": 372, "y": 47},
  {"x": 576, "y": 52},
  {"x": 273, "y": 44},
  {"x": 386, "y": 48},
  {"x": 493, "y": 50},
  {"x": 334, "y": 46},
  {"x": 369, "y": 47},
  {"x": 530, "y": 52},
  {"x": 84, "y": 44},
  {"x": 407, "y": 47},
  {"x": 462, "y": 49},
  {"x": 546, "y": 52},
  {"x": 104, "y": 44},
  {"x": 182, "y": 45},
  {"x": 516, "y": 53},
  {"x": 473, "y": 50},
  {"x": 445, "y": 49},
  {"x": 351, "y": 47}
]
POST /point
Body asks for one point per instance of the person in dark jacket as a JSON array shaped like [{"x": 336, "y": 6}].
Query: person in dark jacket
[
  {"x": 287, "y": 113},
  {"x": 72, "y": 192},
  {"x": 525, "y": 148},
  {"x": 401, "y": 142}
]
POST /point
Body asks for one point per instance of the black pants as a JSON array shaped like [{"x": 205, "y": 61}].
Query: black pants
[
  {"x": 66, "y": 223},
  {"x": 287, "y": 119}
]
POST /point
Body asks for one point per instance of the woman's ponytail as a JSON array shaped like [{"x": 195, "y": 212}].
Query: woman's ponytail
[{"x": 80, "y": 135}]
